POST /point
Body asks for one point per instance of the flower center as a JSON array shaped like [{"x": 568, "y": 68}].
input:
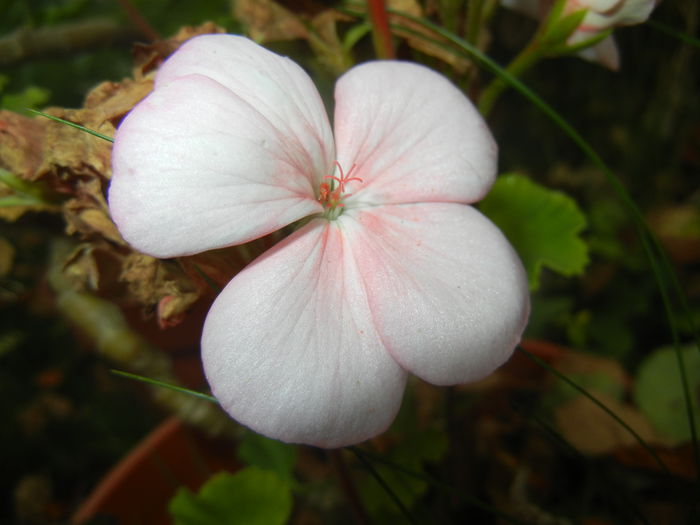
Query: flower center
[{"x": 331, "y": 193}]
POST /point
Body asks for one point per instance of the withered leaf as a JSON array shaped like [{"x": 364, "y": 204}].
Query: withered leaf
[
  {"x": 21, "y": 143},
  {"x": 149, "y": 56},
  {"x": 268, "y": 21}
]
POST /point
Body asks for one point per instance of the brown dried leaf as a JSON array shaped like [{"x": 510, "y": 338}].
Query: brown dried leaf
[
  {"x": 81, "y": 268},
  {"x": 160, "y": 284},
  {"x": 594, "y": 432},
  {"x": 268, "y": 21},
  {"x": 149, "y": 56},
  {"x": 171, "y": 308},
  {"x": 412, "y": 7},
  {"x": 140, "y": 272},
  {"x": 67, "y": 149},
  {"x": 21, "y": 140},
  {"x": 110, "y": 101},
  {"x": 87, "y": 213},
  {"x": 582, "y": 364}
]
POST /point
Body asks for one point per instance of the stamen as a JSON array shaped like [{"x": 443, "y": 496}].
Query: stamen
[{"x": 344, "y": 179}]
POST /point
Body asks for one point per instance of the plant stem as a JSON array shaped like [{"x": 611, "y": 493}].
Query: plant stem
[
  {"x": 139, "y": 20},
  {"x": 381, "y": 33},
  {"x": 348, "y": 485},
  {"x": 474, "y": 21},
  {"x": 521, "y": 63}
]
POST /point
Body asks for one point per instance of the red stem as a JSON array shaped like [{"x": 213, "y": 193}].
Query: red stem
[
  {"x": 139, "y": 21},
  {"x": 380, "y": 30}
]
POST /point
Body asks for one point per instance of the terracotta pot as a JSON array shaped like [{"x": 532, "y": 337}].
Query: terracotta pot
[{"x": 138, "y": 489}]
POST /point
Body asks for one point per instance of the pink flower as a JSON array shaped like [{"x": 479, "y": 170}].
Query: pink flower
[
  {"x": 393, "y": 273},
  {"x": 601, "y": 15}
]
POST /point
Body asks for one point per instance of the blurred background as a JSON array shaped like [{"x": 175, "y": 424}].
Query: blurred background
[{"x": 75, "y": 302}]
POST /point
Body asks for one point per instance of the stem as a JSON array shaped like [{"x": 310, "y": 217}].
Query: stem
[
  {"x": 381, "y": 34},
  {"x": 139, "y": 21},
  {"x": 382, "y": 483},
  {"x": 474, "y": 21},
  {"x": 348, "y": 485},
  {"x": 524, "y": 61}
]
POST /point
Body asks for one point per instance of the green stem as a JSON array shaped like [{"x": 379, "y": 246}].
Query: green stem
[
  {"x": 521, "y": 63},
  {"x": 381, "y": 33},
  {"x": 476, "y": 8}
]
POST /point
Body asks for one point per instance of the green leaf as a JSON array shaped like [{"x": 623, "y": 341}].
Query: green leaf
[
  {"x": 251, "y": 496},
  {"x": 31, "y": 97},
  {"x": 542, "y": 224},
  {"x": 268, "y": 454},
  {"x": 658, "y": 391}
]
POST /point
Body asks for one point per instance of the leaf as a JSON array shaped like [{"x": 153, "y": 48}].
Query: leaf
[
  {"x": 658, "y": 391},
  {"x": 268, "y": 454},
  {"x": 543, "y": 225},
  {"x": 591, "y": 431},
  {"x": 251, "y": 496},
  {"x": 31, "y": 97}
]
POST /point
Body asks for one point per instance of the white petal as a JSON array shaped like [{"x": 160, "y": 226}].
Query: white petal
[
  {"x": 413, "y": 136},
  {"x": 604, "y": 52},
  {"x": 275, "y": 86},
  {"x": 195, "y": 167},
  {"x": 448, "y": 294},
  {"x": 290, "y": 349},
  {"x": 605, "y": 14}
]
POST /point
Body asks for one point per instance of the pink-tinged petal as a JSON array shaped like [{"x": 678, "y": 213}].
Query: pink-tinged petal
[
  {"x": 604, "y": 52},
  {"x": 290, "y": 348},
  {"x": 447, "y": 292},
  {"x": 195, "y": 167},
  {"x": 604, "y": 14},
  {"x": 412, "y": 136},
  {"x": 273, "y": 85}
]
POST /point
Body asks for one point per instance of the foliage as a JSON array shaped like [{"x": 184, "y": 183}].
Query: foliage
[
  {"x": 251, "y": 496},
  {"x": 542, "y": 225}
]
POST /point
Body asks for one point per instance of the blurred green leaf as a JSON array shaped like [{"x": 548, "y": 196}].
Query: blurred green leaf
[
  {"x": 251, "y": 496},
  {"x": 31, "y": 97},
  {"x": 658, "y": 391},
  {"x": 268, "y": 454},
  {"x": 543, "y": 225}
]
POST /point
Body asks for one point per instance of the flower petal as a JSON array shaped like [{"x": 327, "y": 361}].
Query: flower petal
[
  {"x": 604, "y": 52},
  {"x": 290, "y": 349},
  {"x": 605, "y": 14},
  {"x": 195, "y": 167},
  {"x": 448, "y": 293},
  {"x": 413, "y": 136},
  {"x": 273, "y": 85}
]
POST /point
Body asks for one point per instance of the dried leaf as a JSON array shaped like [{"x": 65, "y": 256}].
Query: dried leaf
[
  {"x": 268, "y": 21},
  {"x": 425, "y": 45},
  {"x": 594, "y": 432},
  {"x": 21, "y": 140},
  {"x": 81, "y": 268},
  {"x": 69, "y": 149},
  {"x": 149, "y": 56}
]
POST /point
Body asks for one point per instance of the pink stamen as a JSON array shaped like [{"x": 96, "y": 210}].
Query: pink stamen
[{"x": 343, "y": 179}]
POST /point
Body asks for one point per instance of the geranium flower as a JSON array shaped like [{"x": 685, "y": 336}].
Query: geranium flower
[
  {"x": 392, "y": 272},
  {"x": 601, "y": 15}
]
